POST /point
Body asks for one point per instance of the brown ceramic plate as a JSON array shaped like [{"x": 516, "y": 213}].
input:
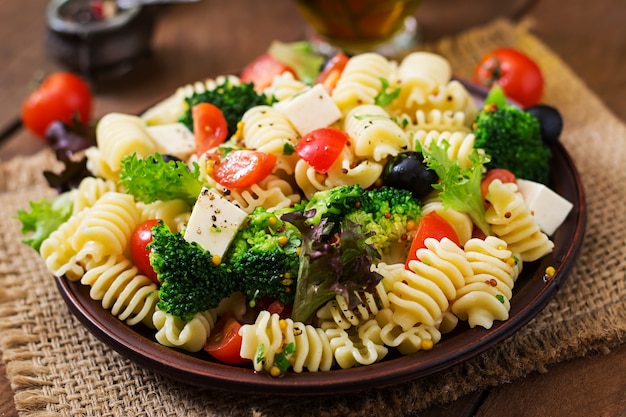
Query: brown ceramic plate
[{"x": 532, "y": 292}]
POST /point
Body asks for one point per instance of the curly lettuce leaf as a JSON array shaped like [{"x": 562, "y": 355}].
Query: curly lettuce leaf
[
  {"x": 45, "y": 217},
  {"x": 459, "y": 187}
]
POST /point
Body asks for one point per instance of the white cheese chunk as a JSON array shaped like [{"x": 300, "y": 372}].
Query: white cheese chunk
[
  {"x": 548, "y": 208},
  {"x": 214, "y": 222},
  {"x": 310, "y": 110},
  {"x": 173, "y": 139}
]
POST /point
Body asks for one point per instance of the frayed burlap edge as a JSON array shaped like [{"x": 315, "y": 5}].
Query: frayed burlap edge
[{"x": 45, "y": 387}]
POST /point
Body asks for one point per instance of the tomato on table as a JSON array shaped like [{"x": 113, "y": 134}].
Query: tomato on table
[
  {"x": 431, "y": 225},
  {"x": 224, "y": 342},
  {"x": 262, "y": 70},
  {"x": 501, "y": 174},
  {"x": 139, "y": 240},
  {"x": 62, "y": 96},
  {"x": 518, "y": 75},
  {"x": 241, "y": 168},
  {"x": 321, "y": 147},
  {"x": 209, "y": 126},
  {"x": 332, "y": 70}
]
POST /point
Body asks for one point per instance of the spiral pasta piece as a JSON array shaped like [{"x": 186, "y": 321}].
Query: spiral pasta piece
[
  {"x": 355, "y": 346},
  {"x": 345, "y": 317},
  {"x": 119, "y": 135},
  {"x": 485, "y": 296},
  {"x": 190, "y": 336},
  {"x": 461, "y": 144},
  {"x": 511, "y": 220},
  {"x": 57, "y": 251},
  {"x": 106, "y": 227},
  {"x": 175, "y": 213},
  {"x": 373, "y": 133},
  {"x": 117, "y": 283},
  {"x": 441, "y": 121},
  {"x": 89, "y": 191},
  {"x": 360, "y": 82},
  {"x": 267, "y": 337},
  {"x": 414, "y": 339},
  {"x": 284, "y": 86},
  {"x": 268, "y": 130},
  {"x": 273, "y": 193}
]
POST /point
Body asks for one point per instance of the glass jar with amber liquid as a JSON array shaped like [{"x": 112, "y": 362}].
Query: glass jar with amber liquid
[{"x": 356, "y": 26}]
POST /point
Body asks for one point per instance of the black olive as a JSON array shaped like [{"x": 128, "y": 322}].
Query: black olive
[
  {"x": 168, "y": 157},
  {"x": 408, "y": 171},
  {"x": 550, "y": 122}
]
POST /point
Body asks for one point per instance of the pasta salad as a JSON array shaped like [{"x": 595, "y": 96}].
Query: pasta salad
[{"x": 385, "y": 223}]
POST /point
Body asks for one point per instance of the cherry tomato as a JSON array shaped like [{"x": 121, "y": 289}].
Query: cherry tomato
[
  {"x": 321, "y": 147},
  {"x": 224, "y": 342},
  {"x": 139, "y": 240},
  {"x": 61, "y": 96},
  {"x": 431, "y": 225},
  {"x": 332, "y": 71},
  {"x": 242, "y": 168},
  {"x": 262, "y": 71},
  {"x": 502, "y": 174},
  {"x": 209, "y": 127},
  {"x": 517, "y": 74},
  {"x": 273, "y": 306}
]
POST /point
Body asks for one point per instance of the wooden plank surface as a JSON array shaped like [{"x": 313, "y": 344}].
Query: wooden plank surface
[{"x": 589, "y": 36}]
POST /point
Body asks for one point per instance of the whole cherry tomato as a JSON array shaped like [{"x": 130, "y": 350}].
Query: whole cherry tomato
[
  {"x": 139, "y": 240},
  {"x": 61, "y": 96},
  {"x": 517, "y": 74},
  {"x": 262, "y": 70},
  {"x": 209, "y": 126}
]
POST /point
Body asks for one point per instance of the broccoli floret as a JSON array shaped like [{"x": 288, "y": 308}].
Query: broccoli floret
[
  {"x": 512, "y": 138},
  {"x": 333, "y": 203},
  {"x": 264, "y": 257},
  {"x": 232, "y": 100},
  {"x": 152, "y": 178},
  {"x": 390, "y": 216},
  {"x": 191, "y": 279}
]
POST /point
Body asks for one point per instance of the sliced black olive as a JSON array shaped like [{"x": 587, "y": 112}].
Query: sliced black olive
[
  {"x": 408, "y": 171},
  {"x": 168, "y": 157},
  {"x": 550, "y": 122}
]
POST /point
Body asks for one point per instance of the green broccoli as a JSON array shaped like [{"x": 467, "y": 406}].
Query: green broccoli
[
  {"x": 390, "y": 216},
  {"x": 333, "y": 203},
  {"x": 512, "y": 138},
  {"x": 264, "y": 257},
  {"x": 152, "y": 178},
  {"x": 232, "y": 100},
  {"x": 191, "y": 279}
]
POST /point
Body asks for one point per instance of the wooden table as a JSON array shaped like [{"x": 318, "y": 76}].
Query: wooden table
[{"x": 215, "y": 37}]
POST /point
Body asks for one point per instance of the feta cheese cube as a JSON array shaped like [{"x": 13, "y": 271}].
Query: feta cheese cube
[
  {"x": 173, "y": 139},
  {"x": 310, "y": 110},
  {"x": 214, "y": 222},
  {"x": 548, "y": 208}
]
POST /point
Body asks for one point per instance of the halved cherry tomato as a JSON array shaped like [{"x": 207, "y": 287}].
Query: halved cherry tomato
[
  {"x": 262, "y": 70},
  {"x": 517, "y": 74},
  {"x": 502, "y": 174},
  {"x": 209, "y": 127},
  {"x": 139, "y": 240},
  {"x": 332, "y": 71},
  {"x": 224, "y": 342},
  {"x": 61, "y": 96},
  {"x": 241, "y": 168},
  {"x": 321, "y": 147},
  {"x": 431, "y": 225}
]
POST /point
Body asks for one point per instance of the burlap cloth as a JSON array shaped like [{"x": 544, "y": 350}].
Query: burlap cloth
[{"x": 58, "y": 369}]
